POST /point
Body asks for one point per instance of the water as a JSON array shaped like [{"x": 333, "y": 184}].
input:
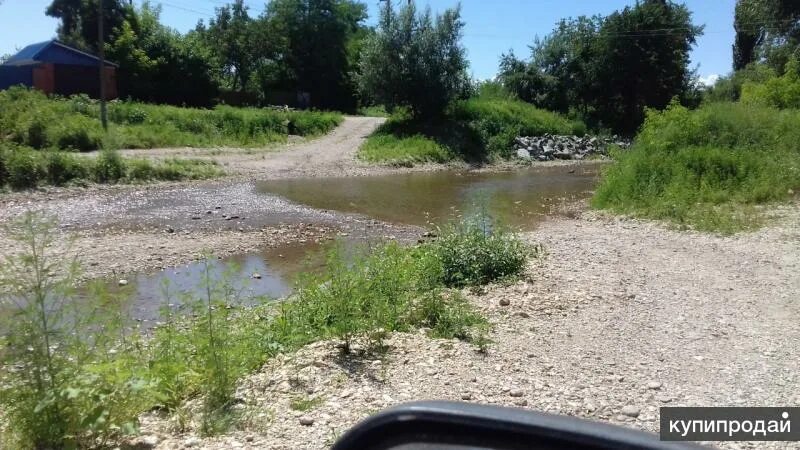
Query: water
[{"x": 520, "y": 198}]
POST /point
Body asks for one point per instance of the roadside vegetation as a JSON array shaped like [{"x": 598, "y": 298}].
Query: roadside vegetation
[
  {"x": 61, "y": 387},
  {"x": 30, "y": 118},
  {"x": 24, "y": 168},
  {"x": 707, "y": 168}
]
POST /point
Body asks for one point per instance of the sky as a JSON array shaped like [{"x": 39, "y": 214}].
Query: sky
[{"x": 492, "y": 27}]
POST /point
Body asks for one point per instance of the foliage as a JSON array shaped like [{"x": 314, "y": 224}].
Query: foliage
[
  {"x": 316, "y": 48},
  {"x": 706, "y": 168},
  {"x": 474, "y": 129},
  {"x": 476, "y": 251},
  {"x": 777, "y": 92},
  {"x": 23, "y": 168},
  {"x": 30, "y": 118},
  {"x": 415, "y": 61},
  {"x": 59, "y": 389},
  {"x": 767, "y": 31},
  {"x": 65, "y": 389},
  {"x": 609, "y": 69}
]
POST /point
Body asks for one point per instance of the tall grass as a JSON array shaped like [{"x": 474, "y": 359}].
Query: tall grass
[
  {"x": 30, "y": 118},
  {"x": 72, "y": 374},
  {"x": 476, "y": 129},
  {"x": 23, "y": 168},
  {"x": 707, "y": 169}
]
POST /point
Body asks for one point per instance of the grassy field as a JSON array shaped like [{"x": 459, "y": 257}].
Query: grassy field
[
  {"x": 32, "y": 119},
  {"x": 473, "y": 130},
  {"x": 707, "y": 169}
]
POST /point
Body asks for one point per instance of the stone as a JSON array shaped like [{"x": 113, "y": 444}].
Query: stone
[
  {"x": 466, "y": 396},
  {"x": 192, "y": 442},
  {"x": 523, "y": 153},
  {"x": 630, "y": 411},
  {"x": 654, "y": 385},
  {"x": 306, "y": 421},
  {"x": 257, "y": 275},
  {"x": 149, "y": 440},
  {"x": 123, "y": 282},
  {"x": 520, "y": 402},
  {"x": 504, "y": 302},
  {"x": 516, "y": 392}
]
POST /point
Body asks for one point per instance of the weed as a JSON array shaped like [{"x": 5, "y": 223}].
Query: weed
[{"x": 306, "y": 403}]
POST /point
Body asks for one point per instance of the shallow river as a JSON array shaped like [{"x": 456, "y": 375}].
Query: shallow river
[{"x": 520, "y": 199}]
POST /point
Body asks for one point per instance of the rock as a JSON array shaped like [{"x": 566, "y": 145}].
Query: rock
[
  {"x": 123, "y": 282},
  {"x": 523, "y": 153},
  {"x": 562, "y": 155},
  {"x": 516, "y": 393},
  {"x": 654, "y": 385},
  {"x": 466, "y": 396},
  {"x": 306, "y": 421},
  {"x": 520, "y": 402},
  {"x": 149, "y": 440},
  {"x": 257, "y": 275},
  {"x": 630, "y": 411},
  {"x": 504, "y": 302},
  {"x": 192, "y": 442}
]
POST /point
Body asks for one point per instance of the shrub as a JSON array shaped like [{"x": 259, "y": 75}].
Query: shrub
[
  {"x": 56, "y": 388},
  {"x": 109, "y": 167},
  {"x": 63, "y": 167},
  {"x": 24, "y": 168},
  {"x": 703, "y": 168},
  {"x": 475, "y": 252}
]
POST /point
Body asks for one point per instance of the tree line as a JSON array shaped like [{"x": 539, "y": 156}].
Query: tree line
[
  {"x": 605, "y": 70},
  {"x": 309, "y": 46}
]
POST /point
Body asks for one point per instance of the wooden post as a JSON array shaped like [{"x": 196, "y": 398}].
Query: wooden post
[{"x": 102, "y": 54}]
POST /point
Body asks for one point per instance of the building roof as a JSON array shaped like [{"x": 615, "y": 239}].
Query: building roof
[{"x": 55, "y": 52}]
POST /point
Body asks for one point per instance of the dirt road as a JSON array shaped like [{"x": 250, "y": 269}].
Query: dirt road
[{"x": 333, "y": 154}]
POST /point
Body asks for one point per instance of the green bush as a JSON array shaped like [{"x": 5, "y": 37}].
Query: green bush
[
  {"x": 778, "y": 92},
  {"x": 76, "y": 133},
  {"x": 475, "y": 252},
  {"x": 62, "y": 168},
  {"x": 24, "y": 167},
  {"x": 109, "y": 167},
  {"x": 705, "y": 168}
]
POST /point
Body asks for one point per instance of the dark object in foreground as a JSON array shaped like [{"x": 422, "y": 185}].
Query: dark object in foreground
[{"x": 453, "y": 425}]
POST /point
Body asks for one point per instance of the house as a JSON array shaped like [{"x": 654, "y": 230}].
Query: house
[{"x": 56, "y": 68}]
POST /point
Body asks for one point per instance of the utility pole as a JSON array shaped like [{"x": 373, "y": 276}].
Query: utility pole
[{"x": 102, "y": 54}]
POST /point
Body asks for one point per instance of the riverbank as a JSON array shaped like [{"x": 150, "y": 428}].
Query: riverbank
[{"x": 619, "y": 318}]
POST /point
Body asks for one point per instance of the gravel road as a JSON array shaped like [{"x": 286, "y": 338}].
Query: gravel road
[{"x": 619, "y": 318}]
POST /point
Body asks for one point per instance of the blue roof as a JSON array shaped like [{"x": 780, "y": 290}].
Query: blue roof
[{"x": 52, "y": 51}]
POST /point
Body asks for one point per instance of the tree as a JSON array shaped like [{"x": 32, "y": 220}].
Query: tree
[
  {"x": 158, "y": 64},
  {"x": 767, "y": 31},
  {"x": 415, "y": 61},
  {"x": 79, "y": 18},
  {"x": 609, "y": 69},
  {"x": 231, "y": 36},
  {"x": 315, "y": 48}
]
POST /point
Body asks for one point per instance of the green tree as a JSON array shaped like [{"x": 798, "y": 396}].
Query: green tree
[
  {"x": 767, "y": 31},
  {"x": 79, "y": 19},
  {"x": 231, "y": 37},
  {"x": 315, "y": 48},
  {"x": 415, "y": 61},
  {"x": 609, "y": 69}
]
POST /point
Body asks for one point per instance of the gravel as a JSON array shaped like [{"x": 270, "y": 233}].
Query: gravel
[{"x": 616, "y": 308}]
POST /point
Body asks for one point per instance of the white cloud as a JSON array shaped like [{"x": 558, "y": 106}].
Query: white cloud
[{"x": 708, "y": 80}]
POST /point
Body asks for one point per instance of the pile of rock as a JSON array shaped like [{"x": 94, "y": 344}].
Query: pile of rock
[{"x": 549, "y": 147}]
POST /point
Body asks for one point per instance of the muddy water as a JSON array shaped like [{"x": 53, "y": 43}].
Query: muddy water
[{"x": 520, "y": 198}]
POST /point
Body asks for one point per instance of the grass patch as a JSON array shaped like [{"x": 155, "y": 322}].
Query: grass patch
[
  {"x": 306, "y": 403},
  {"x": 30, "y": 118},
  {"x": 25, "y": 168},
  {"x": 61, "y": 387},
  {"x": 478, "y": 129},
  {"x": 706, "y": 169}
]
